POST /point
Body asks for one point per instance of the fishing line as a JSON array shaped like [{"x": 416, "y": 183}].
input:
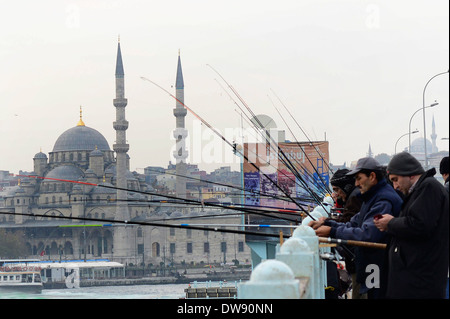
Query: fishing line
[
  {"x": 154, "y": 194},
  {"x": 329, "y": 168},
  {"x": 326, "y": 188},
  {"x": 126, "y": 222},
  {"x": 231, "y": 145},
  {"x": 252, "y": 191},
  {"x": 286, "y": 160},
  {"x": 175, "y": 200},
  {"x": 248, "y": 108}
]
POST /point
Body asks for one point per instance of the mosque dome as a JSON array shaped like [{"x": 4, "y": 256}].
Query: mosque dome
[
  {"x": 417, "y": 146},
  {"x": 81, "y": 138},
  {"x": 66, "y": 172}
]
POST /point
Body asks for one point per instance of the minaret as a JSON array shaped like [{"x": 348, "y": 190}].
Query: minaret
[
  {"x": 433, "y": 137},
  {"x": 369, "y": 153},
  {"x": 180, "y": 133},
  {"x": 122, "y": 238}
]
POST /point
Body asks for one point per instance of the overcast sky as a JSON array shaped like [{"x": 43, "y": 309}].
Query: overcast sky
[{"x": 353, "y": 71}]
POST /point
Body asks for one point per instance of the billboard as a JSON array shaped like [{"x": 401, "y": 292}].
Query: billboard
[{"x": 304, "y": 167}]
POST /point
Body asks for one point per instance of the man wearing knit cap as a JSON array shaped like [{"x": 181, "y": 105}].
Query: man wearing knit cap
[
  {"x": 378, "y": 197},
  {"x": 346, "y": 194},
  {"x": 418, "y": 250}
]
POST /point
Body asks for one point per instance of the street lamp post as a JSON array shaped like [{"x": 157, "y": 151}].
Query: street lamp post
[
  {"x": 431, "y": 105},
  {"x": 424, "y": 126},
  {"x": 409, "y": 133}
]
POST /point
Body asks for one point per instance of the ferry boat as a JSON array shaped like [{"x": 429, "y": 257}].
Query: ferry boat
[{"x": 20, "y": 279}]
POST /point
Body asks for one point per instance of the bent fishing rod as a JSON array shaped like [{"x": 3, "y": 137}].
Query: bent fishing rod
[
  {"x": 201, "y": 227},
  {"x": 281, "y": 102},
  {"x": 256, "y": 119},
  {"x": 284, "y": 158},
  {"x": 227, "y": 142},
  {"x": 251, "y": 191},
  {"x": 326, "y": 188},
  {"x": 112, "y": 222},
  {"x": 184, "y": 200},
  {"x": 300, "y": 182},
  {"x": 223, "y": 138},
  {"x": 266, "y": 211},
  {"x": 267, "y": 136}
]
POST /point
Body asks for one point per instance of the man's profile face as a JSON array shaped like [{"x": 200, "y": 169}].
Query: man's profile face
[
  {"x": 339, "y": 193},
  {"x": 401, "y": 183},
  {"x": 364, "y": 182}
]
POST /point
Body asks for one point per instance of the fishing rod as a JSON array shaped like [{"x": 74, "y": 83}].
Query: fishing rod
[
  {"x": 155, "y": 194},
  {"x": 328, "y": 166},
  {"x": 305, "y": 186},
  {"x": 326, "y": 188},
  {"x": 112, "y": 222},
  {"x": 178, "y": 200},
  {"x": 243, "y": 225},
  {"x": 255, "y": 118},
  {"x": 286, "y": 160},
  {"x": 255, "y": 192},
  {"x": 215, "y": 131},
  {"x": 352, "y": 242},
  {"x": 215, "y": 228},
  {"x": 231, "y": 145}
]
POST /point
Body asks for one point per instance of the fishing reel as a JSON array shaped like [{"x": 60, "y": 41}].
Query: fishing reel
[
  {"x": 328, "y": 256},
  {"x": 334, "y": 256},
  {"x": 335, "y": 212}
]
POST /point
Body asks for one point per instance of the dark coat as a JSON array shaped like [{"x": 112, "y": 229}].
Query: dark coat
[{"x": 418, "y": 251}]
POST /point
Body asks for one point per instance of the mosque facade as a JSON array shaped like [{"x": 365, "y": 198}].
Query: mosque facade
[{"x": 74, "y": 203}]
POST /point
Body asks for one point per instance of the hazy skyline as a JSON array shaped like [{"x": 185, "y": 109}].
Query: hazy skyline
[{"x": 352, "y": 70}]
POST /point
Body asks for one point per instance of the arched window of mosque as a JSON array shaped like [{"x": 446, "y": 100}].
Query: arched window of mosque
[
  {"x": 63, "y": 157},
  {"x": 53, "y": 199},
  {"x": 71, "y": 157},
  {"x": 79, "y": 157},
  {"x": 139, "y": 232}
]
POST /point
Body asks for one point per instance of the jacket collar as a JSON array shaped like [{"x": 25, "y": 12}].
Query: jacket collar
[
  {"x": 430, "y": 173},
  {"x": 373, "y": 190}
]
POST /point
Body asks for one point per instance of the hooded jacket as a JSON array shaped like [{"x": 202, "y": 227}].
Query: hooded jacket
[{"x": 418, "y": 251}]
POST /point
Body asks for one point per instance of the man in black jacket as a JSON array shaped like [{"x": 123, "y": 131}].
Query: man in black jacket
[
  {"x": 418, "y": 251},
  {"x": 444, "y": 170}
]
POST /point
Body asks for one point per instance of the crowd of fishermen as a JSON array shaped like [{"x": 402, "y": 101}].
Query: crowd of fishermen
[{"x": 403, "y": 206}]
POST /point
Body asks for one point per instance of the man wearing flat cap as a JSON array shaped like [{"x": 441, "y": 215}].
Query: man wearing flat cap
[
  {"x": 378, "y": 197},
  {"x": 418, "y": 250}
]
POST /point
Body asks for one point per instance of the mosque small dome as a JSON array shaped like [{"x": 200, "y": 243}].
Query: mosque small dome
[
  {"x": 40, "y": 155},
  {"x": 96, "y": 152},
  {"x": 66, "y": 172}
]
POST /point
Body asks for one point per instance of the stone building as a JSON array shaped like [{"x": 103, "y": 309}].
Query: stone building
[{"x": 82, "y": 177}]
